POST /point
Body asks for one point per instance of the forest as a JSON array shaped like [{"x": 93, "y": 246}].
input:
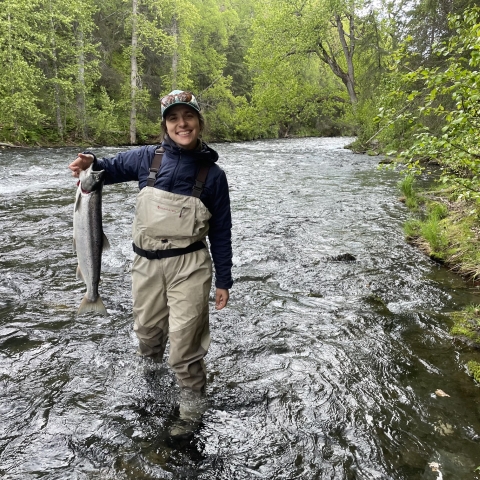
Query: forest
[{"x": 92, "y": 72}]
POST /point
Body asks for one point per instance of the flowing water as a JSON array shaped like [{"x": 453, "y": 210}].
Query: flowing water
[{"x": 324, "y": 365}]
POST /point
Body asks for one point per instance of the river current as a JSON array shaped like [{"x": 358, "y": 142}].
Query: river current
[{"x": 324, "y": 365}]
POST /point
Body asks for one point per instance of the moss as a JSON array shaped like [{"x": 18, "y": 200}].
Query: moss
[
  {"x": 467, "y": 328},
  {"x": 474, "y": 370},
  {"x": 467, "y": 324}
]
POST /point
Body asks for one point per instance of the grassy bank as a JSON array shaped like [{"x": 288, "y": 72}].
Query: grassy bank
[{"x": 448, "y": 231}]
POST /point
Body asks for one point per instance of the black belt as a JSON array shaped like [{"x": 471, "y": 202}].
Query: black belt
[{"x": 173, "y": 252}]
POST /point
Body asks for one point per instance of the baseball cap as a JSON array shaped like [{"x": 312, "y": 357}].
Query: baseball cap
[{"x": 178, "y": 97}]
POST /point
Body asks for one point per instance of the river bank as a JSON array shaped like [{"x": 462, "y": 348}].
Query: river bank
[{"x": 447, "y": 229}]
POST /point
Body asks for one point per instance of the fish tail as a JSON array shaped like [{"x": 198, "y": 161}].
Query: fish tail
[{"x": 88, "y": 306}]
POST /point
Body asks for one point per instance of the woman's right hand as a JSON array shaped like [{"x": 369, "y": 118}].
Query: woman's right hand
[{"x": 82, "y": 162}]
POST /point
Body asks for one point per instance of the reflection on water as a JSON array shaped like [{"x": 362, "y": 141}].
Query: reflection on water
[{"x": 320, "y": 368}]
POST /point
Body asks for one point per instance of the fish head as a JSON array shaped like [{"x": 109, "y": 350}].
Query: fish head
[{"x": 91, "y": 180}]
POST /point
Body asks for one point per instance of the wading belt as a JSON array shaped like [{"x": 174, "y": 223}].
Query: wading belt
[
  {"x": 174, "y": 252},
  {"x": 196, "y": 192}
]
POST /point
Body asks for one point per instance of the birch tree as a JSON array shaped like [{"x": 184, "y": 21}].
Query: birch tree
[
  {"x": 133, "y": 74},
  {"x": 147, "y": 37}
]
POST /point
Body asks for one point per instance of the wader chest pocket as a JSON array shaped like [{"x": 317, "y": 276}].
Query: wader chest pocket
[{"x": 167, "y": 219}]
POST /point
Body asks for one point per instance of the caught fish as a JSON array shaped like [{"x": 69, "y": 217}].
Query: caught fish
[{"x": 89, "y": 241}]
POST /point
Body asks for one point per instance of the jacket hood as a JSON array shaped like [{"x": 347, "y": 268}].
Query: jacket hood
[{"x": 202, "y": 153}]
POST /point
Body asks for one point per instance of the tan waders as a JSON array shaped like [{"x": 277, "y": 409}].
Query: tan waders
[
  {"x": 171, "y": 280},
  {"x": 170, "y": 299}
]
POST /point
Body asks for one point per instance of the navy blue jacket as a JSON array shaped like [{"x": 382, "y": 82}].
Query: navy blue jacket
[{"x": 177, "y": 175}]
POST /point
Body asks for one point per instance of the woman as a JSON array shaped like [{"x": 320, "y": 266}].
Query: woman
[{"x": 179, "y": 204}]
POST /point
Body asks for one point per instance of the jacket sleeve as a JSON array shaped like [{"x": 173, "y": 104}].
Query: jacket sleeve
[
  {"x": 124, "y": 166},
  {"x": 220, "y": 234}
]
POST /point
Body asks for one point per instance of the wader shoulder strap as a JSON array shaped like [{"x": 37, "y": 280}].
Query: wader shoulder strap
[
  {"x": 155, "y": 166},
  {"x": 200, "y": 181}
]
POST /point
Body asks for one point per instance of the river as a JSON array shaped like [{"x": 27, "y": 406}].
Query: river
[{"x": 324, "y": 365}]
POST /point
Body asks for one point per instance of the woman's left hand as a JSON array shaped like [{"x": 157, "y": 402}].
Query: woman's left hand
[{"x": 222, "y": 297}]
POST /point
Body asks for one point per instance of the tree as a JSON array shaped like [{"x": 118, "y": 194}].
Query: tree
[
  {"x": 328, "y": 29},
  {"x": 69, "y": 62},
  {"x": 134, "y": 74},
  {"x": 441, "y": 106},
  {"x": 20, "y": 77}
]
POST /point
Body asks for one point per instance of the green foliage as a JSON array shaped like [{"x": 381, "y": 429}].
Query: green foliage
[
  {"x": 105, "y": 122},
  {"x": 406, "y": 186},
  {"x": 433, "y": 231},
  {"x": 50, "y": 66},
  {"x": 446, "y": 229},
  {"x": 306, "y": 83},
  {"x": 20, "y": 77},
  {"x": 260, "y": 69},
  {"x": 431, "y": 228},
  {"x": 412, "y": 229},
  {"x": 437, "y": 211},
  {"x": 433, "y": 112}
]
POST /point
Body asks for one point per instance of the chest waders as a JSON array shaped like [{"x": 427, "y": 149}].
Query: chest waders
[{"x": 172, "y": 276}]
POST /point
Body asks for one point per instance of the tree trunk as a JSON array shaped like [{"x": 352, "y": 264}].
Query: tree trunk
[
  {"x": 82, "y": 111},
  {"x": 327, "y": 56},
  {"x": 175, "y": 56},
  {"x": 133, "y": 76},
  {"x": 56, "y": 88},
  {"x": 348, "y": 51}
]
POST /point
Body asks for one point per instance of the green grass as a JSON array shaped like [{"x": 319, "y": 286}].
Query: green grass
[
  {"x": 433, "y": 230},
  {"x": 412, "y": 229},
  {"x": 406, "y": 186}
]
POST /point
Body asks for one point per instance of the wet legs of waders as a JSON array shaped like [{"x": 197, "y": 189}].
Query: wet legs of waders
[
  {"x": 188, "y": 347},
  {"x": 188, "y": 295},
  {"x": 170, "y": 297}
]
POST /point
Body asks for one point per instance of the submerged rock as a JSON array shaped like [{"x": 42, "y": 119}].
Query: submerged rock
[{"x": 343, "y": 257}]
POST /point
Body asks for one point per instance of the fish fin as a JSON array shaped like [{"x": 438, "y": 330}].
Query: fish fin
[
  {"x": 106, "y": 243},
  {"x": 80, "y": 274},
  {"x": 97, "y": 306}
]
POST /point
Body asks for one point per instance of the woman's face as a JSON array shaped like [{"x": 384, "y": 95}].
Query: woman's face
[{"x": 183, "y": 126}]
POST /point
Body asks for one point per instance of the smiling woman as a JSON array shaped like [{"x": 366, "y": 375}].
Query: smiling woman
[
  {"x": 182, "y": 124},
  {"x": 183, "y": 198},
  {"x": 182, "y": 119}
]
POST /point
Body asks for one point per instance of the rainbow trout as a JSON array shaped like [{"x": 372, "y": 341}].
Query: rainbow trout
[{"x": 89, "y": 241}]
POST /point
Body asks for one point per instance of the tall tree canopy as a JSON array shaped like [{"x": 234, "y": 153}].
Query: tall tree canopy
[{"x": 89, "y": 71}]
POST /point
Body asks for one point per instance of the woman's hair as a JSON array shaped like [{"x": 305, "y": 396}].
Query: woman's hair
[{"x": 201, "y": 119}]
